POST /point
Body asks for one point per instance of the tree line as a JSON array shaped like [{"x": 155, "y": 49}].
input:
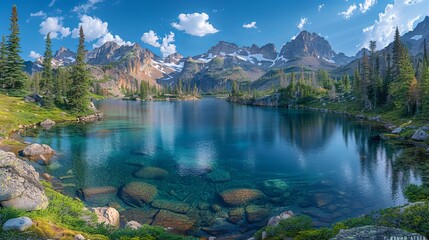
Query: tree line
[{"x": 66, "y": 88}]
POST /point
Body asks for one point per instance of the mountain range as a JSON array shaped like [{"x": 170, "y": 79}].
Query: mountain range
[{"x": 126, "y": 67}]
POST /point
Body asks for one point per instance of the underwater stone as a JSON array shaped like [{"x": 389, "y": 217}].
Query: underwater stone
[
  {"x": 240, "y": 196},
  {"x": 151, "y": 173},
  {"x": 274, "y": 187},
  {"x": 138, "y": 193},
  {"x": 174, "y": 206},
  {"x": 178, "y": 222},
  {"x": 218, "y": 176},
  {"x": 255, "y": 213}
]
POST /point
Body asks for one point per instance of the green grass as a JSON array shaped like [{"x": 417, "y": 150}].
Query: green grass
[
  {"x": 66, "y": 217},
  {"x": 14, "y": 112}
]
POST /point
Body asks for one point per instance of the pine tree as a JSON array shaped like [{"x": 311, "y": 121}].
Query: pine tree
[
  {"x": 365, "y": 82},
  {"x": 47, "y": 84},
  {"x": 79, "y": 94},
  {"x": 346, "y": 80},
  {"x": 15, "y": 77},
  {"x": 425, "y": 81},
  {"x": 396, "y": 54},
  {"x": 3, "y": 56}
]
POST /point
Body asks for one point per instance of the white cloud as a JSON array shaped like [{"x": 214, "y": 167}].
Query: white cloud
[
  {"x": 363, "y": 7},
  {"x": 167, "y": 48},
  {"x": 34, "y": 55},
  {"x": 250, "y": 25},
  {"x": 349, "y": 12},
  {"x": 401, "y": 13},
  {"x": 195, "y": 24},
  {"x": 320, "y": 7},
  {"x": 302, "y": 23},
  {"x": 151, "y": 38},
  {"x": 54, "y": 26},
  {"x": 85, "y": 8},
  {"x": 38, "y": 14},
  {"x": 110, "y": 38},
  {"x": 93, "y": 28},
  {"x": 52, "y": 3}
]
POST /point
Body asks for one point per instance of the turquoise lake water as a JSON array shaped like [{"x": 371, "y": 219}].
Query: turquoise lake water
[{"x": 333, "y": 167}]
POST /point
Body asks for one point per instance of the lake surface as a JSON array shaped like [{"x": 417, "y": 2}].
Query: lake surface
[{"x": 332, "y": 166}]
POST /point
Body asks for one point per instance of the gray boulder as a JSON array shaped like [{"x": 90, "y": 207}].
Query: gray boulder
[
  {"x": 20, "y": 184},
  {"x": 397, "y": 130},
  {"x": 17, "y": 224},
  {"x": 420, "y": 135},
  {"x": 36, "y": 149},
  {"x": 376, "y": 232},
  {"x": 47, "y": 123},
  {"x": 133, "y": 225}
]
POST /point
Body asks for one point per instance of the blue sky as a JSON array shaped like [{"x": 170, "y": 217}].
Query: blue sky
[{"x": 191, "y": 27}]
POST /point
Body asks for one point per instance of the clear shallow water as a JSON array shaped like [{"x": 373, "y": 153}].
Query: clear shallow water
[{"x": 312, "y": 152}]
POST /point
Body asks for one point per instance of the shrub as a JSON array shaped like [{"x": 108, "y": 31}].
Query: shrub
[{"x": 416, "y": 193}]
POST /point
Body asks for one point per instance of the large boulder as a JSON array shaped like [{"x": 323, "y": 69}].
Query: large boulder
[
  {"x": 274, "y": 187},
  {"x": 240, "y": 196},
  {"x": 178, "y": 222},
  {"x": 20, "y": 186},
  {"x": 375, "y": 232},
  {"x": 420, "y": 135},
  {"x": 138, "y": 193},
  {"x": 94, "y": 191},
  {"x": 107, "y": 215},
  {"x": 36, "y": 149},
  {"x": 17, "y": 224},
  {"x": 151, "y": 173}
]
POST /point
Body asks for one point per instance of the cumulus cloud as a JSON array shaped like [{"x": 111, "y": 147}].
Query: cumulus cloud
[
  {"x": 349, "y": 12},
  {"x": 86, "y": 7},
  {"x": 366, "y": 5},
  {"x": 34, "y": 55},
  {"x": 167, "y": 48},
  {"x": 54, "y": 26},
  {"x": 401, "y": 13},
  {"x": 195, "y": 24},
  {"x": 38, "y": 14},
  {"x": 302, "y": 23},
  {"x": 250, "y": 25},
  {"x": 151, "y": 38},
  {"x": 93, "y": 28},
  {"x": 110, "y": 38},
  {"x": 320, "y": 7}
]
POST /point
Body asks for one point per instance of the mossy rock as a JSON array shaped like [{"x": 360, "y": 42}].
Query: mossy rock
[
  {"x": 255, "y": 213},
  {"x": 178, "y": 222},
  {"x": 274, "y": 187},
  {"x": 236, "y": 215},
  {"x": 138, "y": 193},
  {"x": 151, "y": 173},
  {"x": 240, "y": 196}
]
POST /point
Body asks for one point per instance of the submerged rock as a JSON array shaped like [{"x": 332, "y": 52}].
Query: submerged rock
[
  {"x": 138, "y": 193},
  {"x": 174, "y": 206},
  {"x": 17, "y": 224},
  {"x": 20, "y": 186},
  {"x": 36, "y": 149},
  {"x": 151, "y": 173},
  {"x": 107, "y": 215},
  {"x": 178, "y": 222},
  {"x": 139, "y": 215},
  {"x": 240, "y": 196},
  {"x": 323, "y": 199},
  {"x": 376, "y": 232},
  {"x": 236, "y": 215},
  {"x": 274, "y": 187},
  {"x": 93, "y": 191},
  {"x": 255, "y": 213},
  {"x": 218, "y": 176}
]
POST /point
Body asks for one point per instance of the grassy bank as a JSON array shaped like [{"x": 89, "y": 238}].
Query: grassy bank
[
  {"x": 66, "y": 217},
  {"x": 15, "y": 112}
]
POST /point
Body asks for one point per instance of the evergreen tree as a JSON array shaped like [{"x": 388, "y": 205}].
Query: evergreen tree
[
  {"x": 14, "y": 77},
  {"x": 425, "y": 81},
  {"x": 3, "y": 56},
  {"x": 79, "y": 95},
  {"x": 235, "y": 89},
  {"x": 47, "y": 84},
  {"x": 365, "y": 82},
  {"x": 346, "y": 80},
  {"x": 396, "y": 54}
]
